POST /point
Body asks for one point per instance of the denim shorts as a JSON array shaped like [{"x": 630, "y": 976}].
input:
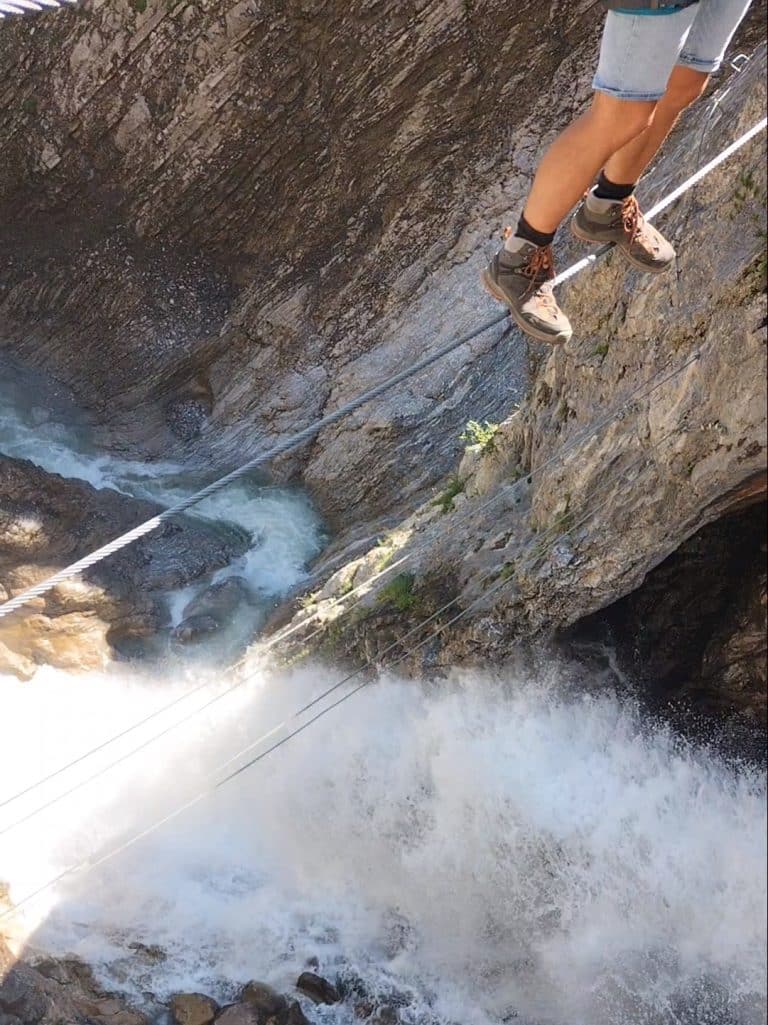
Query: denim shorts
[{"x": 639, "y": 51}]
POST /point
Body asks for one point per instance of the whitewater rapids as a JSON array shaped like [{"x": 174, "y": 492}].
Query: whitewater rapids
[{"x": 483, "y": 847}]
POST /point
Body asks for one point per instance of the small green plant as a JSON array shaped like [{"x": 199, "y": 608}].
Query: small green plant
[
  {"x": 399, "y": 592},
  {"x": 746, "y": 188},
  {"x": 445, "y": 501},
  {"x": 139, "y": 6},
  {"x": 29, "y": 105},
  {"x": 482, "y": 434},
  {"x": 601, "y": 350},
  {"x": 308, "y": 600},
  {"x": 507, "y": 571}
]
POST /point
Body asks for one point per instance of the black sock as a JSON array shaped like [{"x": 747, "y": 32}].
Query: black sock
[
  {"x": 606, "y": 189},
  {"x": 539, "y": 238}
]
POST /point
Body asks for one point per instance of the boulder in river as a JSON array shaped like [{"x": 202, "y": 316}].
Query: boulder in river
[
  {"x": 193, "y": 1009},
  {"x": 265, "y": 1000},
  {"x": 317, "y": 988},
  {"x": 195, "y": 629},
  {"x": 240, "y": 1014}
]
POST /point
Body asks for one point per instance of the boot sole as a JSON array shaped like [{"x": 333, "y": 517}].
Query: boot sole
[
  {"x": 625, "y": 254},
  {"x": 493, "y": 290}
]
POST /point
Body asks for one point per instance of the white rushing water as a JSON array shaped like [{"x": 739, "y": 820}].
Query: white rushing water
[
  {"x": 285, "y": 528},
  {"x": 480, "y": 851},
  {"x": 483, "y": 847}
]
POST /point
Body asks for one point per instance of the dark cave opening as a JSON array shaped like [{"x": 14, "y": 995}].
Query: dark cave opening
[{"x": 692, "y": 638}]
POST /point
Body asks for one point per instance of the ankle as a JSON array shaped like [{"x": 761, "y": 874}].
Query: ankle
[
  {"x": 607, "y": 189},
  {"x": 525, "y": 232}
]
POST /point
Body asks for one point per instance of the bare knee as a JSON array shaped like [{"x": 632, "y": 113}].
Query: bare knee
[
  {"x": 621, "y": 121},
  {"x": 685, "y": 86}
]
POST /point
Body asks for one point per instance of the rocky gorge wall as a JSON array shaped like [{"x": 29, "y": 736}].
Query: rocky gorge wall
[
  {"x": 556, "y": 515},
  {"x": 221, "y": 219}
]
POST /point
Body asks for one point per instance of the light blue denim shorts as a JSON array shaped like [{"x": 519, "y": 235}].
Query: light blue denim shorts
[{"x": 639, "y": 51}]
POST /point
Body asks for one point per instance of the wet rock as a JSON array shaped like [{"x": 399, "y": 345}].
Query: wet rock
[
  {"x": 195, "y": 629},
  {"x": 295, "y": 1016},
  {"x": 55, "y": 970},
  {"x": 21, "y": 997},
  {"x": 317, "y": 988},
  {"x": 264, "y": 999},
  {"x": 63, "y": 992},
  {"x": 151, "y": 953},
  {"x": 221, "y": 600},
  {"x": 193, "y": 1009},
  {"x": 46, "y": 522},
  {"x": 386, "y": 1016},
  {"x": 240, "y": 1014},
  {"x": 110, "y": 1011}
]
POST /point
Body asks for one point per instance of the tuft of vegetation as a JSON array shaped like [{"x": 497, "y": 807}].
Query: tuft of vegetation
[
  {"x": 399, "y": 593},
  {"x": 445, "y": 501},
  {"x": 481, "y": 434},
  {"x": 746, "y": 188},
  {"x": 139, "y": 6},
  {"x": 601, "y": 350},
  {"x": 29, "y": 105}
]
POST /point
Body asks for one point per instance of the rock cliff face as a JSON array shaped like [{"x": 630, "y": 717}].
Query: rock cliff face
[
  {"x": 220, "y": 219},
  {"x": 557, "y": 517}
]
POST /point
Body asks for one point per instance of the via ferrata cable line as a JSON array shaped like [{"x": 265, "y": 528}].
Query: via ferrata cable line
[{"x": 331, "y": 419}]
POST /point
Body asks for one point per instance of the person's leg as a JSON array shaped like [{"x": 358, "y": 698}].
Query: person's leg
[
  {"x": 626, "y": 165},
  {"x": 713, "y": 28},
  {"x": 573, "y": 160},
  {"x": 637, "y": 56}
]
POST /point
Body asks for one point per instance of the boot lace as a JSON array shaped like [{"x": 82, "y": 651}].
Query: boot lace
[
  {"x": 541, "y": 269},
  {"x": 631, "y": 218},
  {"x": 635, "y": 225}
]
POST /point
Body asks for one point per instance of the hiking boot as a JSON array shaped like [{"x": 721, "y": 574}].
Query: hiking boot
[
  {"x": 622, "y": 222},
  {"x": 521, "y": 280}
]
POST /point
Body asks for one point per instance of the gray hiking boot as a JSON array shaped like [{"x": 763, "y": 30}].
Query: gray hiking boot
[
  {"x": 622, "y": 222},
  {"x": 521, "y": 281}
]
